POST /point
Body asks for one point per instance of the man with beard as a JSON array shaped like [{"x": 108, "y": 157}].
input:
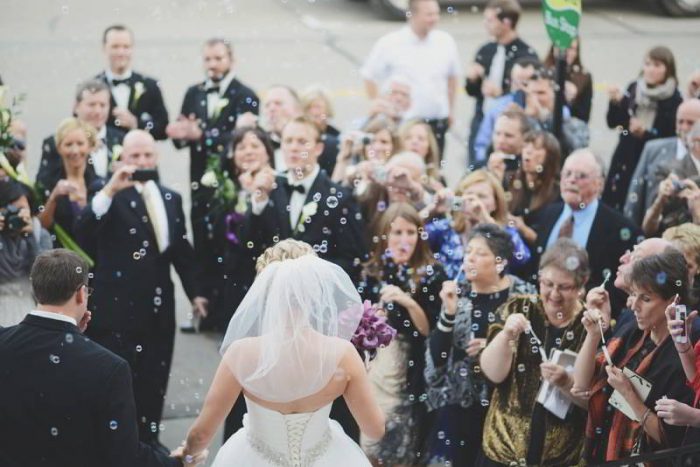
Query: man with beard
[{"x": 209, "y": 114}]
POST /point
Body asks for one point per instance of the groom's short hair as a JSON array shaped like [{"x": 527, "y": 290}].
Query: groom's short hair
[{"x": 56, "y": 275}]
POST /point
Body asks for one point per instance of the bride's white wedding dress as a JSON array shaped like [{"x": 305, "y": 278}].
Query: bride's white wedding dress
[{"x": 269, "y": 438}]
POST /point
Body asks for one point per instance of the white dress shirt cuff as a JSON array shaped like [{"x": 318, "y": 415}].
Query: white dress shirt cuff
[{"x": 101, "y": 204}]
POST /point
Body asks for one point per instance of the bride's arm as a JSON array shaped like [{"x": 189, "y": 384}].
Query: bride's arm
[
  {"x": 220, "y": 399},
  {"x": 359, "y": 397}
]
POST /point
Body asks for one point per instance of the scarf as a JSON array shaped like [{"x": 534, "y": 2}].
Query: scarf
[{"x": 647, "y": 100}]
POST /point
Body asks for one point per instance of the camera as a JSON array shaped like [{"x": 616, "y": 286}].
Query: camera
[
  {"x": 678, "y": 186},
  {"x": 13, "y": 221},
  {"x": 682, "y": 314},
  {"x": 379, "y": 174},
  {"x": 358, "y": 138},
  {"x": 144, "y": 175},
  {"x": 456, "y": 203},
  {"x": 511, "y": 161}
]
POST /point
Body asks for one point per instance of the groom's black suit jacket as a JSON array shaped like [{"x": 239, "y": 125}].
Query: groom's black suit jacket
[
  {"x": 66, "y": 401},
  {"x": 335, "y": 231},
  {"x": 133, "y": 291}
]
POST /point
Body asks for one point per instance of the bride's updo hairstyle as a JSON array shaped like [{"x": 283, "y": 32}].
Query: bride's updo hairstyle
[
  {"x": 286, "y": 249},
  {"x": 294, "y": 324}
]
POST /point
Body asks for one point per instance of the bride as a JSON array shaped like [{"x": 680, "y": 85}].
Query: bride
[{"x": 287, "y": 348}]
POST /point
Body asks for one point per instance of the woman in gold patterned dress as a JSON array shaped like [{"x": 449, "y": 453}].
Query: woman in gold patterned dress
[{"x": 518, "y": 430}]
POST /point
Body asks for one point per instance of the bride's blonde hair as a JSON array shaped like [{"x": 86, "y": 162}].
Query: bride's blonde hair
[{"x": 286, "y": 249}]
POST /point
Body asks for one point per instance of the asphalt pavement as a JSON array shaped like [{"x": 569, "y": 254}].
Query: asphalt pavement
[{"x": 47, "y": 47}]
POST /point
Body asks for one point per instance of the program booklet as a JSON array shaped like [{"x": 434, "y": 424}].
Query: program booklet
[
  {"x": 549, "y": 395},
  {"x": 642, "y": 388}
]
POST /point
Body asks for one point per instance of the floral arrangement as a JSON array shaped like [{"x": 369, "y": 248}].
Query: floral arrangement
[
  {"x": 225, "y": 197},
  {"x": 372, "y": 333}
]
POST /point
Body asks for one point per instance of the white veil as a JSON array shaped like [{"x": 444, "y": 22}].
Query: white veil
[{"x": 287, "y": 336}]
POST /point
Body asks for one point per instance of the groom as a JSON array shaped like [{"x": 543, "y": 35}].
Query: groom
[{"x": 64, "y": 399}]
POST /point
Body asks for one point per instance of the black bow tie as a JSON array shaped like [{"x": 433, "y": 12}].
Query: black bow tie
[
  {"x": 117, "y": 82},
  {"x": 290, "y": 188},
  {"x": 213, "y": 89}
]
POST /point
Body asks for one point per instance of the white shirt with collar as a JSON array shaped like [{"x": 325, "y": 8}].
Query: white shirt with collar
[
  {"x": 101, "y": 204},
  {"x": 122, "y": 92},
  {"x": 52, "y": 315},
  {"x": 100, "y": 156},
  {"x": 426, "y": 62},
  {"x": 213, "y": 98},
  {"x": 583, "y": 223},
  {"x": 296, "y": 199}
]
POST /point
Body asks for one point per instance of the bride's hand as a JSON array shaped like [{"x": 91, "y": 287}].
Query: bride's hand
[{"x": 189, "y": 459}]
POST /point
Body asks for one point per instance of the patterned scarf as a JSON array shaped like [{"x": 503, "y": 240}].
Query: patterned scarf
[{"x": 647, "y": 100}]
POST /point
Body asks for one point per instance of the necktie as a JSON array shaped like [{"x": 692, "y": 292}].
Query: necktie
[
  {"x": 117, "y": 82},
  {"x": 148, "y": 200},
  {"x": 567, "y": 228}
]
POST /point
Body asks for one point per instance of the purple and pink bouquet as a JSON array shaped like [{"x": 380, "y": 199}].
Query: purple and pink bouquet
[{"x": 372, "y": 333}]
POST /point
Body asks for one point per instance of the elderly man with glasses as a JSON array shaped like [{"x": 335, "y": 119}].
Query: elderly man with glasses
[{"x": 603, "y": 232}]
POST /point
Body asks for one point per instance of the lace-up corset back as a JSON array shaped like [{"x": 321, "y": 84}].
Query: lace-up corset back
[{"x": 294, "y": 440}]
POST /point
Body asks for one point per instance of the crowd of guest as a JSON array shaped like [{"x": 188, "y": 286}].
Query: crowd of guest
[{"x": 523, "y": 297}]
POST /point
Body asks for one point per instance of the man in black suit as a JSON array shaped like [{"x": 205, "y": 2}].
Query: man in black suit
[
  {"x": 209, "y": 114},
  {"x": 138, "y": 230},
  {"x": 136, "y": 100},
  {"x": 603, "y": 232},
  {"x": 65, "y": 400},
  {"x": 91, "y": 106}
]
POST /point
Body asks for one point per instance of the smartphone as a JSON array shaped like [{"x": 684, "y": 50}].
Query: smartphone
[
  {"x": 144, "y": 175},
  {"x": 511, "y": 162},
  {"x": 678, "y": 186},
  {"x": 682, "y": 314}
]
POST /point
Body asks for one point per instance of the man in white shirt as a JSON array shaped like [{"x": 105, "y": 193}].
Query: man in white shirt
[
  {"x": 427, "y": 57},
  {"x": 136, "y": 231}
]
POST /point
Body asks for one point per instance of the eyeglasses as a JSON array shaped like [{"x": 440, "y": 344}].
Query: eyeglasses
[
  {"x": 89, "y": 290},
  {"x": 561, "y": 288},
  {"x": 577, "y": 175}
]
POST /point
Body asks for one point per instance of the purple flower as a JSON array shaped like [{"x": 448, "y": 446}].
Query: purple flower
[{"x": 372, "y": 332}]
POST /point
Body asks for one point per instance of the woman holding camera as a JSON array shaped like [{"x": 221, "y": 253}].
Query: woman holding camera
[
  {"x": 645, "y": 347},
  {"x": 21, "y": 240},
  {"x": 363, "y": 153},
  {"x": 478, "y": 199},
  {"x": 75, "y": 140},
  {"x": 456, "y": 388}
]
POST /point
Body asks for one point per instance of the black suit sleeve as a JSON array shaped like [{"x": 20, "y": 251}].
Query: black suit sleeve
[
  {"x": 473, "y": 88},
  {"x": 188, "y": 107},
  {"x": 183, "y": 255},
  {"x": 154, "y": 117},
  {"x": 256, "y": 231},
  {"x": 618, "y": 112},
  {"x": 349, "y": 238},
  {"x": 87, "y": 226},
  {"x": 49, "y": 168},
  {"x": 117, "y": 429}
]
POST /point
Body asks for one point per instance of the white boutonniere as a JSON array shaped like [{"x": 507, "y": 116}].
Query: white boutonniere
[
  {"x": 139, "y": 90},
  {"x": 220, "y": 105},
  {"x": 307, "y": 211},
  {"x": 209, "y": 179},
  {"x": 116, "y": 152}
]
